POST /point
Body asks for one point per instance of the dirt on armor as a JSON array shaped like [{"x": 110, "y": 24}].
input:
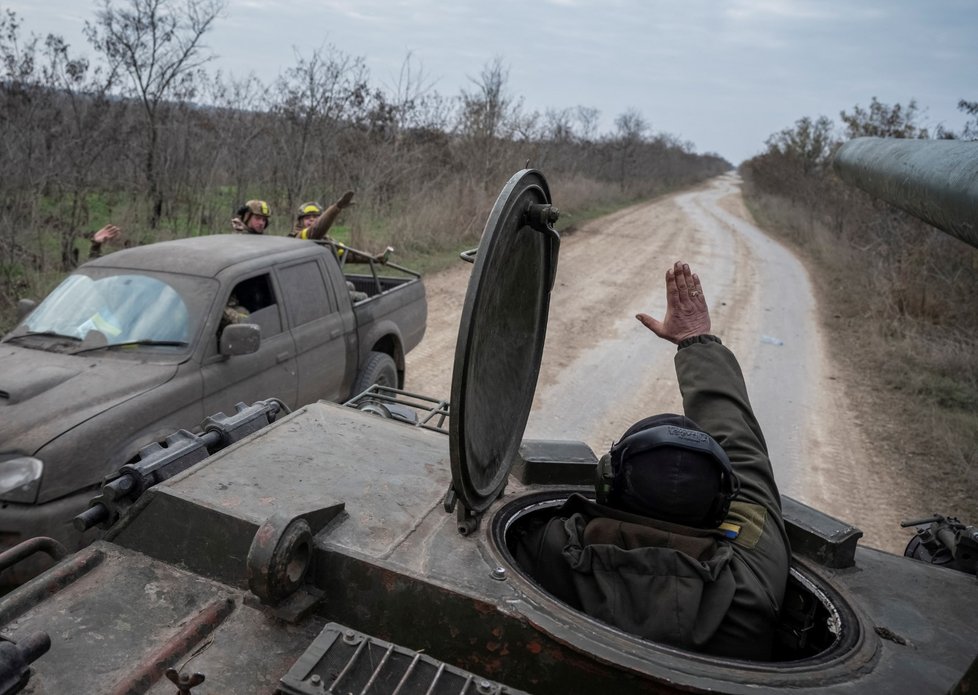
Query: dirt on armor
[{"x": 602, "y": 370}]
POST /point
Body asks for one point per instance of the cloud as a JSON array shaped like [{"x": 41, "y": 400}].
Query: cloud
[
  {"x": 781, "y": 9},
  {"x": 723, "y": 74}
]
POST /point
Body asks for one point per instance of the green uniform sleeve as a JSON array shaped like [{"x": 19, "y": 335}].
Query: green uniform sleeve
[{"x": 715, "y": 397}]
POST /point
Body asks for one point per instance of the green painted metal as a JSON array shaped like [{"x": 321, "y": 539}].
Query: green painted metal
[{"x": 934, "y": 180}]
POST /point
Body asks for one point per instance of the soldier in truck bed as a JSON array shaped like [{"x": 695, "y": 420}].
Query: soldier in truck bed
[
  {"x": 98, "y": 240},
  {"x": 312, "y": 222},
  {"x": 251, "y": 218},
  {"x": 686, "y": 544}
]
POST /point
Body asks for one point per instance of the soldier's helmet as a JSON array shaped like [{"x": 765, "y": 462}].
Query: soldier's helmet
[
  {"x": 255, "y": 207},
  {"x": 310, "y": 208}
]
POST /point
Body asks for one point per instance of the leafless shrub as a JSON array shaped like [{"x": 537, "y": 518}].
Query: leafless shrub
[
  {"x": 899, "y": 295},
  {"x": 143, "y": 137}
]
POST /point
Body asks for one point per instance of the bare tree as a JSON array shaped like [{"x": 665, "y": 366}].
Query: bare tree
[
  {"x": 488, "y": 117},
  {"x": 314, "y": 101},
  {"x": 810, "y": 142},
  {"x": 238, "y": 129},
  {"x": 970, "y": 131},
  {"x": 631, "y": 128},
  {"x": 87, "y": 127},
  {"x": 403, "y": 148},
  {"x": 558, "y": 125},
  {"x": 25, "y": 121},
  {"x": 883, "y": 120},
  {"x": 158, "y": 44},
  {"x": 484, "y": 110},
  {"x": 587, "y": 119}
]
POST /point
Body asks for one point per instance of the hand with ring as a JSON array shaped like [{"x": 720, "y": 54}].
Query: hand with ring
[{"x": 687, "y": 314}]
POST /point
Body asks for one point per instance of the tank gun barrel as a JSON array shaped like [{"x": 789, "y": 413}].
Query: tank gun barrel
[{"x": 933, "y": 180}]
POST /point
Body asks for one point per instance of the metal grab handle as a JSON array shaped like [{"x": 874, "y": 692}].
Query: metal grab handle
[
  {"x": 40, "y": 544},
  {"x": 469, "y": 256}
]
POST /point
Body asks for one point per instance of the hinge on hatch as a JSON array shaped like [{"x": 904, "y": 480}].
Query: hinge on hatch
[{"x": 467, "y": 520}]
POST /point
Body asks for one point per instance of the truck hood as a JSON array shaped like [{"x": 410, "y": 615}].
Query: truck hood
[{"x": 44, "y": 394}]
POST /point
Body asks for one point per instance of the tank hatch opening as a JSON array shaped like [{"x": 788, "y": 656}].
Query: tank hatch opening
[{"x": 816, "y": 624}]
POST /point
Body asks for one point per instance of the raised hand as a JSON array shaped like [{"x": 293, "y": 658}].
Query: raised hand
[
  {"x": 687, "y": 314},
  {"x": 346, "y": 201},
  {"x": 106, "y": 234}
]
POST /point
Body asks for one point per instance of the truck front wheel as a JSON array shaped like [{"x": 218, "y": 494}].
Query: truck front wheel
[{"x": 379, "y": 368}]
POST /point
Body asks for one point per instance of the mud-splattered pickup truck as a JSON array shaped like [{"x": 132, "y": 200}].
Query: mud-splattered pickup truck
[{"x": 147, "y": 340}]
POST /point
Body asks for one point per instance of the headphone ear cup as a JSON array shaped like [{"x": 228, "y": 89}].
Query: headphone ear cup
[
  {"x": 718, "y": 510},
  {"x": 604, "y": 480},
  {"x": 721, "y": 502}
]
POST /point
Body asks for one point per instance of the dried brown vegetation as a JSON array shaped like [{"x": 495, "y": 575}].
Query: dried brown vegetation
[
  {"x": 897, "y": 296},
  {"x": 143, "y": 136}
]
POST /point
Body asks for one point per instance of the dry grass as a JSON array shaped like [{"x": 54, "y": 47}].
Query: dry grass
[{"x": 916, "y": 381}]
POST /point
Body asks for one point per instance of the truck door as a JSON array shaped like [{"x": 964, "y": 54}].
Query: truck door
[
  {"x": 269, "y": 372},
  {"x": 317, "y": 330}
]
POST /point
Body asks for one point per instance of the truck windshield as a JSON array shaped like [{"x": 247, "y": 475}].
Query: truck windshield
[{"x": 122, "y": 307}]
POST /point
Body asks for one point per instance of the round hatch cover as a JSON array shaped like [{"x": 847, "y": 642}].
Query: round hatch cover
[{"x": 500, "y": 338}]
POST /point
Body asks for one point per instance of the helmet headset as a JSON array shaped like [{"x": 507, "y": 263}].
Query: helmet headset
[{"x": 687, "y": 479}]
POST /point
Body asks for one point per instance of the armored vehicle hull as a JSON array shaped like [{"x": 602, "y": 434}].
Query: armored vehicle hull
[
  {"x": 171, "y": 587},
  {"x": 337, "y": 551}
]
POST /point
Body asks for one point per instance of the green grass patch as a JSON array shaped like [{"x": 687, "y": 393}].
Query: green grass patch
[
  {"x": 431, "y": 261},
  {"x": 569, "y": 222},
  {"x": 341, "y": 233}
]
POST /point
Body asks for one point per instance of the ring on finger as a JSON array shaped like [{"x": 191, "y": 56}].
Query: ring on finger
[{"x": 695, "y": 293}]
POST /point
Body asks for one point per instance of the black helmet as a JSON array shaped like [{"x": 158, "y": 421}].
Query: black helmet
[{"x": 667, "y": 468}]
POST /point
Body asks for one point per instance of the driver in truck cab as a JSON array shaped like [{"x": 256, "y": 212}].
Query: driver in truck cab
[{"x": 685, "y": 544}]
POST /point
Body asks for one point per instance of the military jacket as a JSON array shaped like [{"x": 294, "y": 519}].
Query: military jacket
[{"x": 717, "y": 591}]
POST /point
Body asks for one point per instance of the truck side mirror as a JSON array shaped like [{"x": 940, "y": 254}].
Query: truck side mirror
[
  {"x": 25, "y": 307},
  {"x": 240, "y": 339}
]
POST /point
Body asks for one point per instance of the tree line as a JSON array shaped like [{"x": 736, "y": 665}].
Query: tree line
[
  {"x": 912, "y": 271},
  {"x": 144, "y": 135},
  {"x": 901, "y": 295}
]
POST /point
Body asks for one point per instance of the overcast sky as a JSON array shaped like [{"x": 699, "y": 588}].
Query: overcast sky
[{"x": 723, "y": 75}]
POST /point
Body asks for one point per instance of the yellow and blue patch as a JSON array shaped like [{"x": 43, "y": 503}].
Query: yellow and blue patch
[{"x": 730, "y": 530}]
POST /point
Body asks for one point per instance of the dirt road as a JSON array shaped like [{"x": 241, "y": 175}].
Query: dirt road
[{"x": 602, "y": 370}]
